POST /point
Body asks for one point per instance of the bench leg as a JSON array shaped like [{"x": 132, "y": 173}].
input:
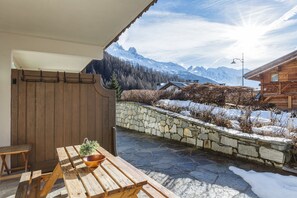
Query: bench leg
[
  {"x": 25, "y": 158},
  {"x": 57, "y": 173},
  {"x": 4, "y": 164}
]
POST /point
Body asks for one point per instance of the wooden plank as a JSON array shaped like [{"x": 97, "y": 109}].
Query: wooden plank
[
  {"x": 67, "y": 113},
  {"x": 75, "y": 115},
  {"x": 91, "y": 184},
  {"x": 49, "y": 121},
  {"x": 123, "y": 181},
  {"x": 22, "y": 113},
  {"x": 14, "y": 113},
  {"x": 289, "y": 102},
  {"x": 72, "y": 183},
  {"x": 83, "y": 112},
  {"x": 106, "y": 139},
  {"x": 164, "y": 191},
  {"x": 40, "y": 123},
  {"x": 23, "y": 185},
  {"x": 59, "y": 114},
  {"x": 151, "y": 192},
  {"x": 35, "y": 184},
  {"x": 135, "y": 177},
  {"x": 31, "y": 118},
  {"x": 111, "y": 120},
  {"x": 15, "y": 149},
  {"x": 99, "y": 117},
  {"x": 50, "y": 180},
  {"x": 91, "y": 114},
  {"x": 108, "y": 184}
]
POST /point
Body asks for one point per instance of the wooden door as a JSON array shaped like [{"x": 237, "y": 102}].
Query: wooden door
[{"x": 51, "y": 109}]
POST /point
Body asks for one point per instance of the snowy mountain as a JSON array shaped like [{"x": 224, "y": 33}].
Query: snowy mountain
[
  {"x": 223, "y": 75},
  {"x": 132, "y": 56}
]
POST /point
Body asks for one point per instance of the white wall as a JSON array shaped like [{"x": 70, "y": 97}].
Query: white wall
[
  {"x": 11, "y": 42},
  {"x": 5, "y": 71}
]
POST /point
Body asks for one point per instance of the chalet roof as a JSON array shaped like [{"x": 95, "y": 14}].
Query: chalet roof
[
  {"x": 254, "y": 74},
  {"x": 174, "y": 83}
]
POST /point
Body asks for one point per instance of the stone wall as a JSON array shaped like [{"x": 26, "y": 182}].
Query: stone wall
[{"x": 155, "y": 121}]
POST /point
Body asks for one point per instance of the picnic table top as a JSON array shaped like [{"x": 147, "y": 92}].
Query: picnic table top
[
  {"x": 15, "y": 149},
  {"x": 111, "y": 177}
]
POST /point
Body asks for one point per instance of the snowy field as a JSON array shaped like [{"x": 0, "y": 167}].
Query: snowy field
[
  {"x": 264, "y": 122},
  {"x": 269, "y": 185}
]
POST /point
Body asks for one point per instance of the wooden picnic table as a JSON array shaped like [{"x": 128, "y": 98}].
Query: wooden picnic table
[
  {"x": 113, "y": 178},
  {"x": 14, "y": 150}
]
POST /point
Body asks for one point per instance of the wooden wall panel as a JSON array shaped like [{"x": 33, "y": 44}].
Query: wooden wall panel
[{"x": 56, "y": 112}]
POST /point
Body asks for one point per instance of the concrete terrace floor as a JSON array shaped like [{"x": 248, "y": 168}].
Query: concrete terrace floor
[{"x": 185, "y": 170}]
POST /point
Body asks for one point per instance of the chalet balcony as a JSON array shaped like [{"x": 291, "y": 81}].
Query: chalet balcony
[{"x": 283, "y": 88}]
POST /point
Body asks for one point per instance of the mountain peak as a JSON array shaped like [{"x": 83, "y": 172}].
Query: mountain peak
[{"x": 132, "y": 50}]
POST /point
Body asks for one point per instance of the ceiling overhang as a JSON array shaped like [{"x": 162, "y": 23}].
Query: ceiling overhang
[{"x": 89, "y": 23}]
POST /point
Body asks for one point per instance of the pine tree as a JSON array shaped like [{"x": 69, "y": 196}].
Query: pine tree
[{"x": 114, "y": 84}]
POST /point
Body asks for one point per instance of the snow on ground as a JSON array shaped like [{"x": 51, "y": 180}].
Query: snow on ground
[
  {"x": 269, "y": 185},
  {"x": 267, "y": 122}
]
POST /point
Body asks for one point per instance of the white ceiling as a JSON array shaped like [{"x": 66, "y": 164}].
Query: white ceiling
[{"x": 93, "y": 24}]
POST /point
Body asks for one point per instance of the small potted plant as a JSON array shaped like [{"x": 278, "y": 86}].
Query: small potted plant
[{"x": 87, "y": 149}]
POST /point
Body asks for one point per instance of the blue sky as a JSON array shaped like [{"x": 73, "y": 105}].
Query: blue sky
[{"x": 211, "y": 32}]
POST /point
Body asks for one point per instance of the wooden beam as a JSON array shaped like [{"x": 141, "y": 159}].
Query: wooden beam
[{"x": 289, "y": 102}]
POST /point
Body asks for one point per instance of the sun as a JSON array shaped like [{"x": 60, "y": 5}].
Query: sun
[{"x": 247, "y": 38}]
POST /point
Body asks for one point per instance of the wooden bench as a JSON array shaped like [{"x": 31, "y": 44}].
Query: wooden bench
[
  {"x": 14, "y": 150},
  {"x": 29, "y": 185},
  {"x": 152, "y": 188}
]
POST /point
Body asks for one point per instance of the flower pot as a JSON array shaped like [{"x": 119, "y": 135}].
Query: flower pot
[{"x": 93, "y": 161}]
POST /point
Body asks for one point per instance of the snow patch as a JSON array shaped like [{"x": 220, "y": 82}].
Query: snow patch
[{"x": 269, "y": 185}]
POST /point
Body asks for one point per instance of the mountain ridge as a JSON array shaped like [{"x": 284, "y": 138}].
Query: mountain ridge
[{"x": 222, "y": 74}]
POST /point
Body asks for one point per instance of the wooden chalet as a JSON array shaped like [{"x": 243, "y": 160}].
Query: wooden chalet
[{"x": 278, "y": 81}]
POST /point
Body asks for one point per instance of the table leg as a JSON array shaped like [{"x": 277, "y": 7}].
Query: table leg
[
  {"x": 4, "y": 165},
  {"x": 25, "y": 158},
  {"x": 57, "y": 173}
]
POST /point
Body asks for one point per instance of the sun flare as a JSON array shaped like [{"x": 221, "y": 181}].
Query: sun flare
[{"x": 248, "y": 38}]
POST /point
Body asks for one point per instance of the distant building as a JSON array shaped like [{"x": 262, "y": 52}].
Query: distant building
[
  {"x": 172, "y": 85},
  {"x": 278, "y": 81}
]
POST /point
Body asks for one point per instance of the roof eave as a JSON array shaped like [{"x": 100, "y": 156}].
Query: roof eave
[
  {"x": 138, "y": 16},
  {"x": 282, "y": 60}
]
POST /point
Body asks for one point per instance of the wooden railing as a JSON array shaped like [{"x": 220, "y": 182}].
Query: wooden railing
[{"x": 276, "y": 88}]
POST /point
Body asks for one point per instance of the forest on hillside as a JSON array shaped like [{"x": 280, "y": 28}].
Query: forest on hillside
[{"x": 128, "y": 75}]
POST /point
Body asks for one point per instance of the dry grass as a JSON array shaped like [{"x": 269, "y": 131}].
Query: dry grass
[{"x": 245, "y": 121}]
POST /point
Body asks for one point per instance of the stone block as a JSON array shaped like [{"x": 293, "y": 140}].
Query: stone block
[
  {"x": 272, "y": 155},
  {"x": 163, "y": 123},
  {"x": 167, "y": 135},
  {"x": 166, "y": 129},
  {"x": 173, "y": 129},
  {"x": 247, "y": 150},
  {"x": 187, "y": 132},
  {"x": 184, "y": 124},
  {"x": 229, "y": 141},
  {"x": 162, "y": 129},
  {"x": 191, "y": 141},
  {"x": 222, "y": 149},
  {"x": 175, "y": 137},
  {"x": 180, "y": 131},
  {"x": 176, "y": 121},
  {"x": 214, "y": 137},
  {"x": 207, "y": 144},
  {"x": 199, "y": 143},
  {"x": 280, "y": 147},
  {"x": 203, "y": 136}
]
